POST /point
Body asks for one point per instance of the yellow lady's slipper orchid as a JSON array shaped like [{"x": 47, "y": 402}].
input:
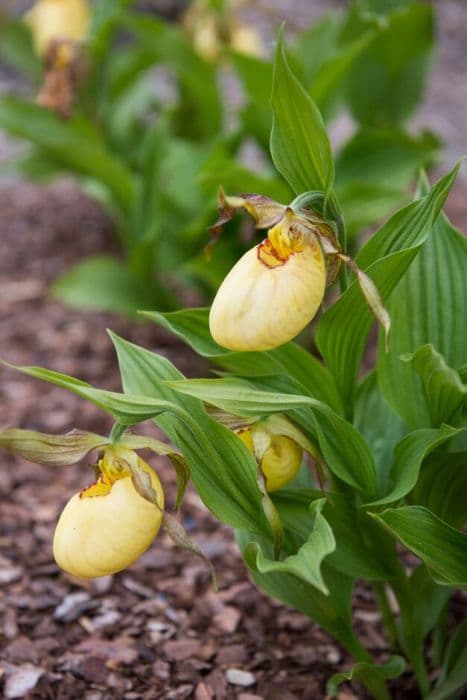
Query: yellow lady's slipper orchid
[
  {"x": 51, "y": 20},
  {"x": 247, "y": 41},
  {"x": 279, "y": 456},
  {"x": 107, "y": 526},
  {"x": 211, "y": 30},
  {"x": 273, "y": 291}
]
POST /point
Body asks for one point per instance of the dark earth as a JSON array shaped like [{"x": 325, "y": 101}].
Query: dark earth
[{"x": 157, "y": 630}]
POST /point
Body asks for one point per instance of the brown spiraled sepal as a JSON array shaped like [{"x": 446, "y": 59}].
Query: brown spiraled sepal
[{"x": 64, "y": 70}]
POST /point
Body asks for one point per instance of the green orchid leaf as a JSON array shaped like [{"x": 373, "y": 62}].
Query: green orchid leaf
[
  {"x": 199, "y": 113},
  {"x": 348, "y": 527},
  {"x": 365, "y": 204},
  {"x": 102, "y": 283},
  {"x": 332, "y": 612},
  {"x": 374, "y": 170},
  {"x": 409, "y": 454},
  {"x": 344, "y": 449},
  {"x": 372, "y": 676},
  {"x": 453, "y": 677},
  {"x": 127, "y": 410},
  {"x": 306, "y": 563},
  {"x": 445, "y": 394},
  {"x": 256, "y": 77},
  {"x": 328, "y": 84},
  {"x": 428, "y": 600},
  {"x": 427, "y": 308},
  {"x": 76, "y": 145},
  {"x": 316, "y": 45},
  {"x": 236, "y": 396},
  {"x": 384, "y": 156},
  {"x": 16, "y": 48},
  {"x": 442, "y": 486},
  {"x": 381, "y": 427},
  {"x": 388, "y": 79},
  {"x": 441, "y": 547},
  {"x": 343, "y": 329},
  {"x": 221, "y": 467},
  {"x": 300, "y": 146},
  {"x": 192, "y": 326}
]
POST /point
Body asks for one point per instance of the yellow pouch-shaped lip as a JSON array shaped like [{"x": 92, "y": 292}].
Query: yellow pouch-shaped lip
[
  {"x": 279, "y": 456},
  {"x": 261, "y": 305},
  {"x": 281, "y": 462},
  {"x": 58, "y": 19},
  {"x": 97, "y": 535}
]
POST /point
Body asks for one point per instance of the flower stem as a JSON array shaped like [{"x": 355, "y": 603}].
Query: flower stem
[
  {"x": 386, "y": 613},
  {"x": 409, "y": 638},
  {"x": 115, "y": 434}
]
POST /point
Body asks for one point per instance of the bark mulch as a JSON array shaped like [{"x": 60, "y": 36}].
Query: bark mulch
[{"x": 157, "y": 630}]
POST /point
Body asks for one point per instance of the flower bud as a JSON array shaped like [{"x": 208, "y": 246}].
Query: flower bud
[
  {"x": 206, "y": 40},
  {"x": 213, "y": 29},
  {"x": 247, "y": 41},
  {"x": 272, "y": 292},
  {"x": 279, "y": 456},
  {"x": 51, "y": 20},
  {"x": 107, "y": 526}
]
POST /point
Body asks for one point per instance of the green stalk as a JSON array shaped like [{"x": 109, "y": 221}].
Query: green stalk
[
  {"x": 440, "y": 635},
  {"x": 117, "y": 431},
  {"x": 386, "y": 613},
  {"x": 408, "y": 637},
  {"x": 377, "y": 688}
]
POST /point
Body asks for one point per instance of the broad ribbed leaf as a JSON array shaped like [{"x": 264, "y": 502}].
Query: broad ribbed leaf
[
  {"x": 316, "y": 45},
  {"x": 126, "y": 409},
  {"x": 221, "y": 466},
  {"x": 429, "y": 306},
  {"x": 300, "y": 146},
  {"x": 372, "y": 676},
  {"x": 236, "y": 396},
  {"x": 306, "y": 563},
  {"x": 453, "y": 675},
  {"x": 330, "y": 612},
  {"x": 192, "y": 326},
  {"x": 343, "y": 329},
  {"x": 374, "y": 170},
  {"x": 440, "y": 546},
  {"x": 365, "y": 204},
  {"x": 16, "y": 47},
  {"x": 199, "y": 115},
  {"x": 75, "y": 145},
  {"x": 256, "y": 77},
  {"x": 348, "y": 528},
  {"x": 428, "y": 601},
  {"x": 103, "y": 283},
  {"x": 385, "y": 156},
  {"x": 379, "y": 425},
  {"x": 442, "y": 487},
  {"x": 445, "y": 394},
  {"x": 328, "y": 83},
  {"x": 409, "y": 454},
  {"x": 223, "y": 470},
  {"x": 344, "y": 449},
  {"x": 411, "y": 225},
  {"x": 388, "y": 81}
]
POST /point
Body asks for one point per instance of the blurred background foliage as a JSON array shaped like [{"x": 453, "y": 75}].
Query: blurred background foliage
[{"x": 172, "y": 100}]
